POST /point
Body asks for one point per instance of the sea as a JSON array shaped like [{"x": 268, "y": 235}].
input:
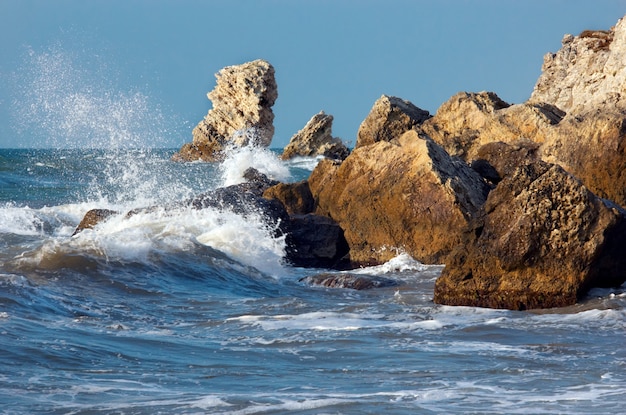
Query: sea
[
  {"x": 176, "y": 310},
  {"x": 183, "y": 311}
]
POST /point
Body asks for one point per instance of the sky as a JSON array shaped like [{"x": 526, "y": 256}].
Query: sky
[{"x": 78, "y": 73}]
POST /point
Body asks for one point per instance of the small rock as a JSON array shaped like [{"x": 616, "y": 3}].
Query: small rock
[
  {"x": 316, "y": 139},
  {"x": 296, "y": 197},
  {"x": 92, "y": 218},
  {"x": 349, "y": 280}
]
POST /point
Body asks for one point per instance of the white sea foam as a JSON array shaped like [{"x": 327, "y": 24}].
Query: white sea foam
[
  {"x": 289, "y": 405},
  {"x": 241, "y": 158},
  {"x": 401, "y": 263},
  {"x": 245, "y": 239},
  {"x": 304, "y": 163},
  {"x": 334, "y": 321},
  {"x": 20, "y": 221}
]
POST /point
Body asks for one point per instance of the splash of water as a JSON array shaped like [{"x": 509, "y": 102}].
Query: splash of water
[
  {"x": 68, "y": 100},
  {"x": 239, "y": 159}
]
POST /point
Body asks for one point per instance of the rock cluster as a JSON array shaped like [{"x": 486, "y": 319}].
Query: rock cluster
[
  {"x": 242, "y": 112},
  {"x": 514, "y": 199},
  {"x": 406, "y": 194},
  {"x": 316, "y": 139},
  {"x": 311, "y": 240},
  {"x": 524, "y": 204}
]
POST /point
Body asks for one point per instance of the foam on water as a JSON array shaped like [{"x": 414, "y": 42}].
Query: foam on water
[
  {"x": 304, "y": 163},
  {"x": 246, "y": 239},
  {"x": 20, "y": 221},
  {"x": 401, "y": 263},
  {"x": 239, "y": 159}
]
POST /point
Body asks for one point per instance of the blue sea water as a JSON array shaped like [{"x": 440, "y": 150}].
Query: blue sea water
[{"x": 185, "y": 311}]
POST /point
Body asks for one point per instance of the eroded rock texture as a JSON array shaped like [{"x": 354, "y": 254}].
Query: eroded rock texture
[
  {"x": 242, "y": 112},
  {"x": 541, "y": 240},
  {"x": 316, "y": 139}
]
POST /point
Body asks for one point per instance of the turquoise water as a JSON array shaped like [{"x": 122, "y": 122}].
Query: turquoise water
[{"x": 194, "y": 312}]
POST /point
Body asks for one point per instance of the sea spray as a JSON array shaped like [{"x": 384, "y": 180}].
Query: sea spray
[
  {"x": 239, "y": 159},
  {"x": 66, "y": 99}
]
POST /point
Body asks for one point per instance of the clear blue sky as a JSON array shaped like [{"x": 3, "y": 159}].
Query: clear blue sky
[{"x": 160, "y": 57}]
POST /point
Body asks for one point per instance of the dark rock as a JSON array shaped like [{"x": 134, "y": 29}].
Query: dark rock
[
  {"x": 315, "y": 241},
  {"x": 348, "y": 280},
  {"x": 497, "y": 160}
]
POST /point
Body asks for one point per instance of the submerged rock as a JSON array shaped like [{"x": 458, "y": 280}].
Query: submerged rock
[
  {"x": 242, "y": 112},
  {"x": 316, "y": 139},
  {"x": 349, "y": 280},
  {"x": 542, "y": 240},
  {"x": 408, "y": 195},
  {"x": 92, "y": 218}
]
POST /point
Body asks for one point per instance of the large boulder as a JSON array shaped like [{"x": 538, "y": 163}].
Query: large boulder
[
  {"x": 389, "y": 118},
  {"x": 407, "y": 195},
  {"x": 316, "y": 139},
  {"x": 542, "y": 240},
  {"x": 242, "y": 112}
]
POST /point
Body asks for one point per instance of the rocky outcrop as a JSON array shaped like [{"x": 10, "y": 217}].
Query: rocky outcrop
[
  {"x": 590, "y": 146},
  {"x": 389, "y": 118},
  {"x": 406, "y": 195},
  {"x": 467, "y": 121},
  {"x": 587, "y": 73},
  {"x": 541, "y": 240},
  {"x": 316, "y": 139},
  {"x": 242, "y": 112}
]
